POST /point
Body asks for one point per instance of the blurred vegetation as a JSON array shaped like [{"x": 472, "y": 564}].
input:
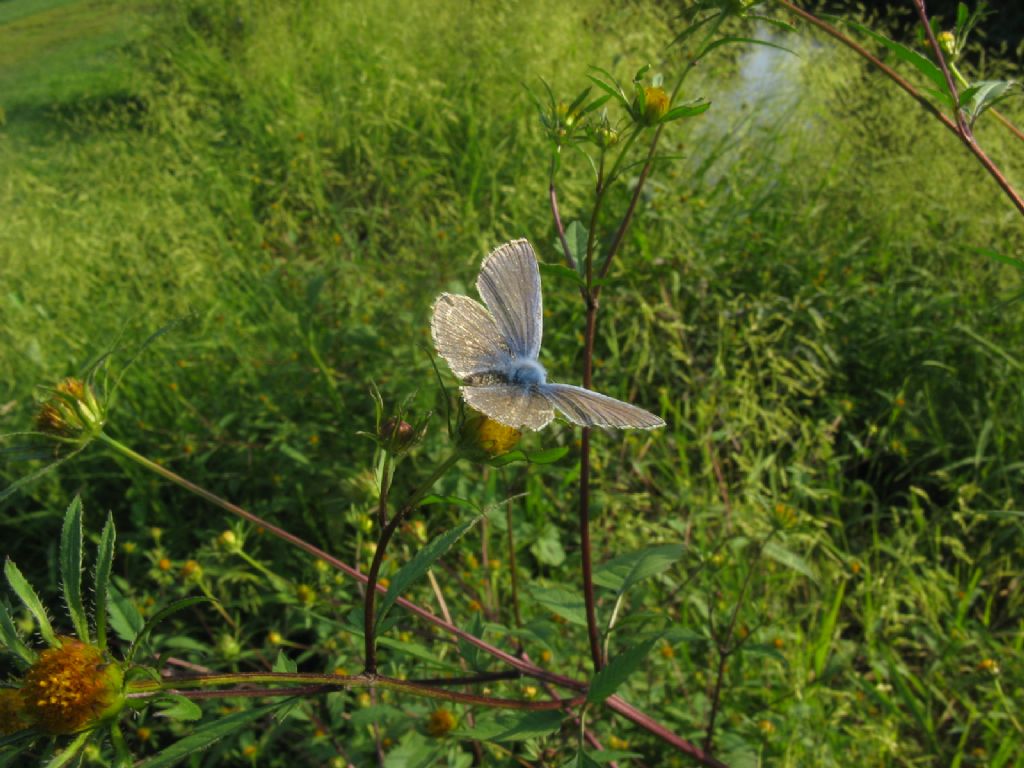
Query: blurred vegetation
[{"x": 284, "y": 188}]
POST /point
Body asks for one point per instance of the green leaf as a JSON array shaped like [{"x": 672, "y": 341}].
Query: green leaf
[
  {"x": 607, "y": 681},
  {"x": 915, "y": 59},
  {"x": 71, "y": 567},
  {"x": 11, "y": 639},
  {"x": 984, "y": 95},
  {"x": 156, "y": 618},
  {"x": 419, "y": 565},
  {"x": 178, "y": 707},
  {"x": 283, "y": 664},
  {"x": 823, "y": 644},
  {"x": 622, "y": 572},
  {"x": 562, "y": 602},
  {"x": 206, "y": 735},
  {"x": 505, "y": 726},
  {"x": 294, "y": 454},
  {"x": 547, "y": 456},
  {"x": 125, "y": 619},
  {"x": 790, "y": 559},
  {"x": 31, "y": 600},
  {"x": 413, "y": 751},
  {"x": 71, "y": 751},
  {"x": 685, "y": 110},
  {"x": 730, "y": 40},
  {"x": 104, "y": 562},
  {"x": 1008, "y": 260},
  {"x": 577, "y": 236}
]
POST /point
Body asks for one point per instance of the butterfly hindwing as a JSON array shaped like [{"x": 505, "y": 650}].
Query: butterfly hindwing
[
  {"x": 511, "y": 405},
  {"x": 509, "y": 284},
  {"x": 592, "y": 409}
]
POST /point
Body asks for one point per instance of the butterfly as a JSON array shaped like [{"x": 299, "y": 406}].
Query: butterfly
[{"x": 493, "y": 350}]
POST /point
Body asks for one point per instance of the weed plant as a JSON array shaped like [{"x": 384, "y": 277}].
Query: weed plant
[{"x": 806, "y": 294}]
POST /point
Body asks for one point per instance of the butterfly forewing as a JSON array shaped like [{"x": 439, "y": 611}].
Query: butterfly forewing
[
  {"x": 466, "y": 336},
  {"x": 592, "y": 409},
  {"x": 511, "y": 405},
  {"x": 509, "y": 284}
]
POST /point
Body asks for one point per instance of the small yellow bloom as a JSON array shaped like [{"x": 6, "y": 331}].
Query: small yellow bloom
[
  {"x": 191, "y": 570},
  {"x": 72, "y": 687},
  {"x": 274, "y": 637},
  {"x": 947, "y": 42},
  {"x": 73, "y": 412},
  {"x": 440, "y": 722},
  {"x": 618, "y": 744},
  {"x": 143, "y": 733},
  {"x": 766, "y": 727},
  {"x": 163, "y": 564},
  {"x": 484, "y": 435}
]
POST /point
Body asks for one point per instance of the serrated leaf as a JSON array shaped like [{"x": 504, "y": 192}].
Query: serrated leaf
[
  {"x": 204, "y": 736},
  {"x": 622, "y": 572},
  {"x": 125, "y": 618},
  {"x": 418, "y": 566},
  {"x": 562, "y": 602},
  {"x": 607, "y": 681},
  {"x": 283, "y": 664},
  {"x": 71, "y": 567},
  {"x": 413, "y": 751},
  {"x": 175, "y": 707},
  {"x": 11, "y": 639},
  {"x": 27, "y": 595},
  {"x": 156, "y": 618},
  {"x": 104, "y": 563}
]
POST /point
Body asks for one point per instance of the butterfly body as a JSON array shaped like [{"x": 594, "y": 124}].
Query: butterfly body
[{"x": 494, "y": 350}]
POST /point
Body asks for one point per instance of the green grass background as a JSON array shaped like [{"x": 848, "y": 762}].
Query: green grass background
[{"x": 802, "y": 297}]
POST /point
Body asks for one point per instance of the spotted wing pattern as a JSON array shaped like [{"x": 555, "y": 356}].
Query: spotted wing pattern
[
  {"x": 511, "y": 405},
  {"x": 509, "y": 284},
  {"x": 466, "y": 336},
  {"x": 592, "y": 409}
]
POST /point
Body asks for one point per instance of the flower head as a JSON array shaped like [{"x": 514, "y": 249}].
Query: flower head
[
  {"x": 72, "y": 413},
  {"x": 440, "y": 722},
  {"x": 71, "y": 687},
  {"x": 655, "y": 104},
  {"x": 484, "y": 436}
]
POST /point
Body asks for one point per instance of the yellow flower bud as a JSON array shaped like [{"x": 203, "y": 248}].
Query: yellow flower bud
[
  {"x": 655, "y": 104},
  {"x": 947, "y": 43},
  {"x": 71, "y": 687}
]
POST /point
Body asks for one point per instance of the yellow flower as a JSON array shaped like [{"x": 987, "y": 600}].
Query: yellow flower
[
  {"x": 947, "y": 42},
  {"x": 440, "y": 722},
  {"x": 483, "y": 435},
  {"x": 72, "y": 687},
  {"x": 655, "y": 104}
]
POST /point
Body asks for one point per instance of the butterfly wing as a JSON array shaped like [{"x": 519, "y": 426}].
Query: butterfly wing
[
  {"x": 511, "y": 405},
  {"x": 592, "y": 409},
  {"x": 466, "y": 336},
  {"x": 509, "y": 284}
]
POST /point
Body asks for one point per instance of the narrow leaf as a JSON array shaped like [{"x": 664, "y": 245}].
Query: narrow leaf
[
  {"x": 915, "y": 59},
  {"x": 607, "y": 681},
  {"x": 31, "y": 600},
  {"x": 824, "y": 642},
  {"x": 686, "y": 110},
  {"x": 104, "y": 563},
  {"x": 562, "y": 602},
  {"x": 71, "y": 751},
  {"x": 156, "y": 618},
  {"x": 548, "y": 456},
  {"x": 419, "y": 565},
  {"x": 576, "y": 235},
  {"x": 125, "y": 619},
  {"x": 11, "y": 639},
  {"x": 204, "y": 736},
  {"x": 790, "y": 559},
  {"x": 71, "y": 567},
  {"x": 561, "y": 272}
]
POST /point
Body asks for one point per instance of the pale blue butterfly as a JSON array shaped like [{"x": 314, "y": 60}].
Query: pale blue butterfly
[{"x": 493, "y": 350}]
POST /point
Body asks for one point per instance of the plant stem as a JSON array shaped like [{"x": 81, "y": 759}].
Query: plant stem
[
  {"x": 369, "y": 618},
  {"x": 147, "y": 688},
  {"x": 615, "y": 703}
]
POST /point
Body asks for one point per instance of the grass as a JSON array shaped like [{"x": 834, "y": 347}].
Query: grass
[{"x": 801, "y": 298}]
